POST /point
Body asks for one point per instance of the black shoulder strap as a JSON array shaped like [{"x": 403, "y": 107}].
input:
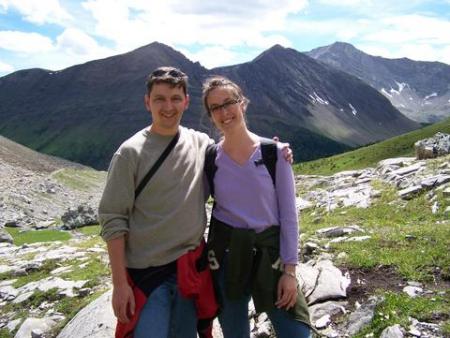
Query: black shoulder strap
[
  {"x": 210, "y": 167},
  {"x": 269, "y": 154},
  {"x": 157, "y": 164}
]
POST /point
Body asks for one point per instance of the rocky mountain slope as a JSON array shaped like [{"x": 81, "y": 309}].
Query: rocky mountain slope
[
  {"x": 303, "y": 94},
  {"x": 420, "y": 90},
  {"x": 37, "y": 189},
  {"x": 84, "y": 112},
  {"x": 373, "y": 252}
]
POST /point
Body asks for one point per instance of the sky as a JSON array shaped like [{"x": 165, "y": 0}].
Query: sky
[{"x": 56, "y": 34}]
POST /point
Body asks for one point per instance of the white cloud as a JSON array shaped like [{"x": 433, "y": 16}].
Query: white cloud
[
  {"x": 407, "y": 28},
  {"x": 24, "y": 42},
  {"x": 216, "y": 56},
  {"x": 5, "y": 68},
  {"x": 75, "y": 42},
  {"x": 346, "y": 3},
  {"x": 132, "y": 24},
  {"x": 38, "y": 11}
]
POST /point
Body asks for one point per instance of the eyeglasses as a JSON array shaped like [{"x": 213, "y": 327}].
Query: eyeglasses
[{"x": 226, "y": 105}]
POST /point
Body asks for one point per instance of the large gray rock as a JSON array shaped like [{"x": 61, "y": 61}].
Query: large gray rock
[
  {"x": 94, "y": 321},
  {"x": 361, "y": 317},
  {"x": 34, "y": 324},
  {"x": 330, "y": 283},
  {"x": 83, "y": 215},
  {"x": 5, "y": 237},
  {"x": 438, "y": 145},
  {"x": 394, "y": 331}
]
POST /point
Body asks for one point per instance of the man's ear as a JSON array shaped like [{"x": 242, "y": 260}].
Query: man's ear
[
  {"x": 147, "y": 101},
  {"x": 188, "y": 100}
]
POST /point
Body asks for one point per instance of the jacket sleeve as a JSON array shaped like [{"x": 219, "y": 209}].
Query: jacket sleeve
[
  {"x": 288, "y": 216},
  {"x": 118, "y": 198}
]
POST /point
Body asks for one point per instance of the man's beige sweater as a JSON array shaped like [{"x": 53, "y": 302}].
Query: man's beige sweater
[{"x": 168, "y": 217}]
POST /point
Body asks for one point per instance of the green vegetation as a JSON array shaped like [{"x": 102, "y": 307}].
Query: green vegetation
[
  {"x": 406, "y": 236},
  {"x": 21, "y": 237},
  {"x": 93, "y": 271},
  {"x": 4, "y": 333},
  {"x": 79, "y": 179},
  {"x": 42, "y": 272},
  {"x": 397, "y": 308},
  {"x": 91, "y": 230},
  {"x": 369, "y": 156}
]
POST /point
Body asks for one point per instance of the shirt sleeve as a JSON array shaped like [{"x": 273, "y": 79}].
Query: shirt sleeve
[
  {"x": 118, "y": 199},
  {"x": 288, "y": 216}
]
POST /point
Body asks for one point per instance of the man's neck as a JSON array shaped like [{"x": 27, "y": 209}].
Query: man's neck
[{"x": 163, "y": 132}]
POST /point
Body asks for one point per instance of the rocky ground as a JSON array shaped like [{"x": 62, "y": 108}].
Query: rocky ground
[
  {"x": 41, "y": 283},
  {"x": 37, "y": 190}
]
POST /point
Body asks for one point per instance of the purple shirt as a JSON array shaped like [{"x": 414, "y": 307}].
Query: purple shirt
[{"x": 246, "y": 198}]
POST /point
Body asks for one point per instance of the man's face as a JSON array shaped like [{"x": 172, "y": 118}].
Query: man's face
[{"x": 166, "y": 104}]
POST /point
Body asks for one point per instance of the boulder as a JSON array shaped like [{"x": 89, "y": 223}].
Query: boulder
[
  {"x": 75, "y": 218},
  {"x": 438, "y": 145},
  {"x": 5, "y": 237},
  {"x": 394, "y": 331},
  {"x": 35, "y": 325},
  {"x": 94, "y": 321}
]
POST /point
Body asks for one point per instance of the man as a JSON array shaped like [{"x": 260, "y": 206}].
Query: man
[{"x": 147, "y": 235}]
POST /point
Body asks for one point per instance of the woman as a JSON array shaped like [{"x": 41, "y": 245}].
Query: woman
[{"x": 253, "y": 237}]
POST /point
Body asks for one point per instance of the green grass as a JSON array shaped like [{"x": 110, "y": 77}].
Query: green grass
[
  {"x": 397, "y": 308},
  {"x": 93, "y": 272},
  {"x": 369, "y": 156},
  {"x": 406, "y": 236},
  {"x": 90, "y": 230},
  {"x": 41, "y": 273},
  {"x": 4, "y": 333},
  {"x": 79, "y": 179},
  {"x": 21, "y": 237}
]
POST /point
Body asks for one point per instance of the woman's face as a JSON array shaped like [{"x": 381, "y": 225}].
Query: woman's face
[{"x": 226, "y": 108}]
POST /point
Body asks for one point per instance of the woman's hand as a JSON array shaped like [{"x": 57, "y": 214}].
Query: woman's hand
[{"x": 287, "y": 291}]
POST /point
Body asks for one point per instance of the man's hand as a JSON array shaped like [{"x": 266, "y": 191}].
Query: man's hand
[
  {"x": 123, "y": 302},
  {"x": 287, "y": 151}
]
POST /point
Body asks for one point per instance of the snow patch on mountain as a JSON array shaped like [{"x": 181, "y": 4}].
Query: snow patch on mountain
[{"x": 317, "y": 99}]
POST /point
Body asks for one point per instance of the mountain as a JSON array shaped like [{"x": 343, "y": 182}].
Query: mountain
[
  {"x": 15, "y": 156},
  {"x": 296, "y": 93},
  {"x": 84, "y": 112},
  {"x": 419, "y": 89},
  {"x": 369, "y": 156}
]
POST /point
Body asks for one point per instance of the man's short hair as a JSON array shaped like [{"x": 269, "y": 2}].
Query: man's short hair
[{"x": 170, "y": 75}]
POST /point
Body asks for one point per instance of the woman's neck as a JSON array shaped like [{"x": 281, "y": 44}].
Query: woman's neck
[{"x": 239, "y": 138}]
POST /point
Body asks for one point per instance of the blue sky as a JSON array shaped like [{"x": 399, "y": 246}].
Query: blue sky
[{"x": 55, "y": 34}]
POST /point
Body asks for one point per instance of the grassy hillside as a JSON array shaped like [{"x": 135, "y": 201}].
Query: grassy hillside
[{"x": 369, "y": 156}]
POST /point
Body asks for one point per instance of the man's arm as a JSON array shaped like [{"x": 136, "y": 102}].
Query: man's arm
[
  {"x": 123, "y": 298},
  {"x": 115, "y": 205},
  {"x": 287, "y": 151}
]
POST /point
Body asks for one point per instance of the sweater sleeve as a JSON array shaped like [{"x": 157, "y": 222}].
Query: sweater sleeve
[
  {"x": 118, "y": 199},
  {"x": 288, "y": 216}
]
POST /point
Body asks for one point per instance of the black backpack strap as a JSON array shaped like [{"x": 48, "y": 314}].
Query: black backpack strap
[
  {"x": 269, "y": 153},
  {"x": 210, "y": 167},
  {"x": 157, "y": 164}
]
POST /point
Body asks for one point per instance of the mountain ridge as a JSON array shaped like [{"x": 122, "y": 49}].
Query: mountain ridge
[
  {"x": 84, "y": 112},
  {"x": 419, "y": 89}
]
